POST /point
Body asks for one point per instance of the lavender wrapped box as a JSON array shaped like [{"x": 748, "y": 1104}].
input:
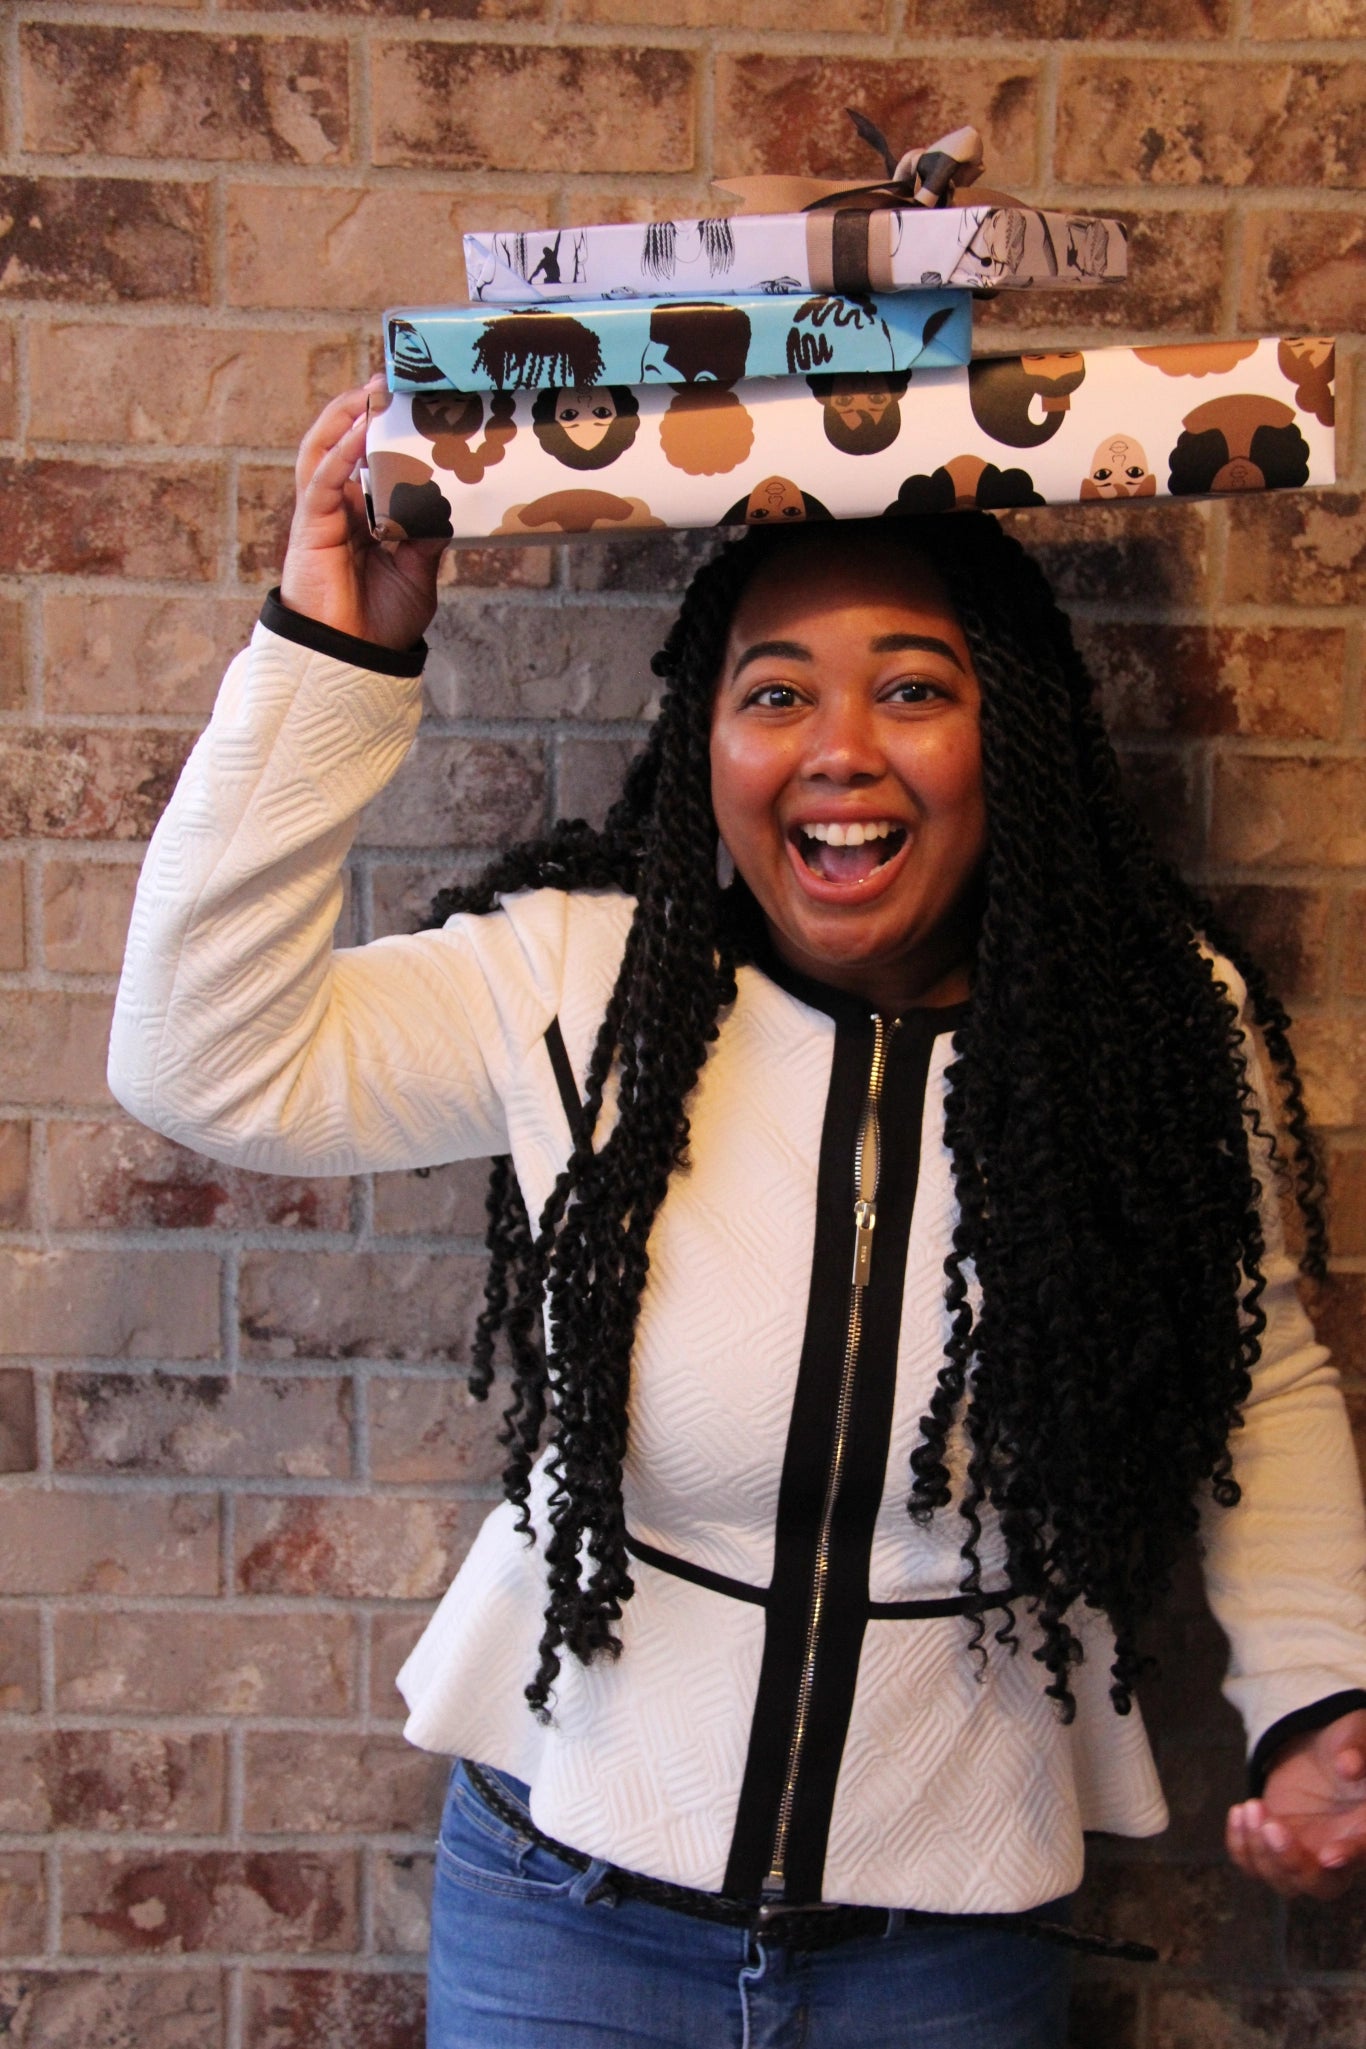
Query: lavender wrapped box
[
  {"x": 643, "y": 341},
  {"x": 848, "y": 249},
  {"x": 1007, "y": 430}
]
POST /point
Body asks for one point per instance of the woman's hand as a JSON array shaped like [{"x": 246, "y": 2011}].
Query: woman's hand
[
  {"x": 1307, "y": 1833},
  {"x": 335, "y": 571}
]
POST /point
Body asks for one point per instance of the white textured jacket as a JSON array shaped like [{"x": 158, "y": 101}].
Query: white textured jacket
[{"x": 795, "y": 1683}]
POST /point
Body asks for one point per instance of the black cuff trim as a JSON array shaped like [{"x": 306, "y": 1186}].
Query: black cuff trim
[
  {"x": 341, "y": 647},
  {"x": 1302, "y": 1722}
]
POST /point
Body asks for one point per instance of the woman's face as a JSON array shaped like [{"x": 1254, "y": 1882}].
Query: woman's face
[
  {"x": 846, "y": 769},
  {"x": 585, "y": 415}
]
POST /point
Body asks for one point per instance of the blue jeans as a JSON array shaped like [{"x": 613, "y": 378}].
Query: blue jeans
[{"x": 524, "y": 1956}]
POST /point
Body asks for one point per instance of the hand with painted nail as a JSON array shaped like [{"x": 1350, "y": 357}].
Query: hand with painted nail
[
  {"x": 1307, "y": 1833},
  {"x": 335, "y": 571}
]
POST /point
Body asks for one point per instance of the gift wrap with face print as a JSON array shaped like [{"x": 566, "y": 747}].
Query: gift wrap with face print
[
  {"x": 671, "y": 341},
  {"x": 838, "y": 249},
  {"x": 1067, "y": 425}
]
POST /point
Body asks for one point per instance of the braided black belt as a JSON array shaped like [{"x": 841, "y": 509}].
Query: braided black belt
[{"x": 797, "y": 1928}]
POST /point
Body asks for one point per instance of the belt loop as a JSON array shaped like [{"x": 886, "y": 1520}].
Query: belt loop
[
  {"x": 594, "y": 1886},
  {"x": 896, "y": 1921}
]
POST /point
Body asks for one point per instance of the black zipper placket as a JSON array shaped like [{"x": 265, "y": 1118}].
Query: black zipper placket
[{"x": 867, "y": 1169}]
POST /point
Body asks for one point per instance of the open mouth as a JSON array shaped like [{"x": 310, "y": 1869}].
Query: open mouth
[{"x": 848, "y": 853}]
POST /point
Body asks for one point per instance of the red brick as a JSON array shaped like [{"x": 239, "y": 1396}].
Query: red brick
[
  {"x": 380, "y": 1549},
  {"x": 1290, "y": 19},
  {"x": 490, "y": 660},
  {"x": 148, "y": 93},
  {"x": 1230, "y": 2016},
  {"x": 1285, "y": 809},
  {"x": 401, "y": 901},
  {"x": 182, "y": 1901},
  {"x": 1347, "y": 1208},
  {"x": 434, "y": 1430},
  {"x": 475, "y": 568},
  {"x": 655, "y": 562},
  {"x": 102, "y": 783},
  {"x": 89, "y": 1543},
  {"x": 1327, "y": 1937},
  {"x": 113, "y": 2009},
  {"x": 265, "y": 506},
  {"x": 1285, "y": 930},
  {"x": 1272, "y": 682},
  {"x": 93, "y": 381},
  {"x": 1101, "y": 2013},
  {"x": 305, "y": 1781},
  {"x": 109, "y": 1305},
  {"x": 1297, "y": 548},
  {"x": 1100, "y": 551},
  {"x": 93, "y": 519},
  {"x": 1303, "y": 272},
  {"x": 1174, "y": 287},
  {"x": 403, "y": 1890},
  {"x": 18, "y": 1428},
  {"x": 104, "y": 239},
  {"x": 1180, "y": 123},
  {"x": 436, "y": 1201},
  {"x": 9, "y": 405},
  {"x": 202, "y": 1423},
  {"x": 1072, "y": 20},
  {"x": 1340, "y": 1320},
  {"x": 52, "y": 1046},
  {"x": 20, "y": 1681},
  {"x": 112, "y": 1779},
  {"x": 788, "y": 113},
  {"x": 124, "y": 1177},
  {"x": 14, "y": 1151},
  {"x": 1332, "y": 1058},
  {"x": 334, "y": 247},
  {"x": 473, "y": 793},
  {"x": 219, "y": 1662},
  {"x": 850, "y": 17},
  {"x": 153, "y": 656},
  {"x": 1160, "y": 788},
  {"x": 13, "y": 694},
  {"x": 423, "y": 10},
  {"x": 11, "y": 915},
  {"x": 23, "y": 1904},
  {"x": 86, "y": 907},
  {"x": 476, "y": 107},
  {"x": 346, "y": 1305},
  {"x": 1354, "y": 945},
  {"x": 391, "y": 1639},
  {"x": 321, "y": 2009}
]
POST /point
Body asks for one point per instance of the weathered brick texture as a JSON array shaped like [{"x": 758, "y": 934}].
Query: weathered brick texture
[{"x": 237, "y": 1460}]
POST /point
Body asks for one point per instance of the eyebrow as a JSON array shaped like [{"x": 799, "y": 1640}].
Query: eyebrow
[{"x": 885, "y": 644}]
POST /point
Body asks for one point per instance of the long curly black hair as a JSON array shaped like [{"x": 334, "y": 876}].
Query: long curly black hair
[{"x": 1098, "y": 1112}]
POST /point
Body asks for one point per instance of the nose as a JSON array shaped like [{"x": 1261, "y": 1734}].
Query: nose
[{"x": 843, "y": 743}]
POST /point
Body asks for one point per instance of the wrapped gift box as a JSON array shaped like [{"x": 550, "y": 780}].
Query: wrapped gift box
[
  {"x": 671, "y": 341},
  {"x": 844, "y": 249},
  {"x": 1006, "y": 430}
]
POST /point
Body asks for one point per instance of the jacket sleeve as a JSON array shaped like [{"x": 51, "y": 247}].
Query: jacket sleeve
[
  {"x": 1285, "y": 1570},
  {"x": 238, "y": 1030}
]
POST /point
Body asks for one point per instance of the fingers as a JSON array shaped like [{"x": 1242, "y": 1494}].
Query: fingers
[
  {"x": 1275, "y": 1850},
  {"x": 335, "y": 423}
]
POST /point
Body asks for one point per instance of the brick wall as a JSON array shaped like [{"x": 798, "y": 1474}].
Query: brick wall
[{"x": 239, "y": 1462}]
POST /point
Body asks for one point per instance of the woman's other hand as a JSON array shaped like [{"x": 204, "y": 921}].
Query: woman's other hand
[
  {"x": 1307, "y": 1833},
  {"x": 335, "y": 571}
]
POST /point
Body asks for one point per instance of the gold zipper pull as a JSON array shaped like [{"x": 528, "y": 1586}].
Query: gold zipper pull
[{"x": 865, "y": 1217}]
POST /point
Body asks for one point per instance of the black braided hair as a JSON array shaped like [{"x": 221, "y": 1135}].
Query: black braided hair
[{"x": 1104, "y": 1280}]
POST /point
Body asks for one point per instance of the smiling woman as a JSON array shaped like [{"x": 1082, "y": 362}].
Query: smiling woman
[{"x": 875, "y": 1433}]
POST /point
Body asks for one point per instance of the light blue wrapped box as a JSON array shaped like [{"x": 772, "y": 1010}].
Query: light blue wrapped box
[{"x": 671, "y": 341}]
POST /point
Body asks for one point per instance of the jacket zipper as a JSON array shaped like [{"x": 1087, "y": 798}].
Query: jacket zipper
[{"x": 867, "y": 1161}]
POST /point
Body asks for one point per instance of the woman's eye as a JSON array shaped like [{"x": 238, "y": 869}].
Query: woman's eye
[
  {"x": 773, "y": 697},
  {"x": 913, "y": 690}
]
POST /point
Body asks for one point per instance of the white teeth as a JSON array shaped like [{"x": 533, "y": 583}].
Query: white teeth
[{"x": 853, "y": 835}]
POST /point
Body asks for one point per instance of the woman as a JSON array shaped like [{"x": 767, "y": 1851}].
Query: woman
[{"x": 917, "y": 1187}]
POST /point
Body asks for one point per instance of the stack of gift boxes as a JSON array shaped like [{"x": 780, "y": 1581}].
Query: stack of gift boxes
[{"x": 782, "y": 365}]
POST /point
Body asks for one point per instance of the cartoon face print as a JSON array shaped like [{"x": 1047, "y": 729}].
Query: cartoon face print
[
  {"x": 577, "y": 511},
  {"x": 450, "y": 420},
  {"x": 1006, "y": 396},
  {"x": 410, "y": 355},
  {"x": 706, "y": 430},
  {"x": 698, "y": 244},
  {"x": 405, "y": 501},
  {"x": 862, "y": 415},
  {"x": 998, "y": 247},
  {"x": 853, "y": 325},
  {"x": 774, "y": 501},
  {"x": 1244, "y": 442},
  {"x": 1088, "y": 248},
  {"x": 585, "y": 416},
  {"x": 693, "y": 342},
  {"x": 1309, "y": 366},
  {"x": 585, "y": 429},
  {"x": 536, "y": 345},
  {"x": 1119, "y": 469},
  {"x": 1054, "y": 377}
]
